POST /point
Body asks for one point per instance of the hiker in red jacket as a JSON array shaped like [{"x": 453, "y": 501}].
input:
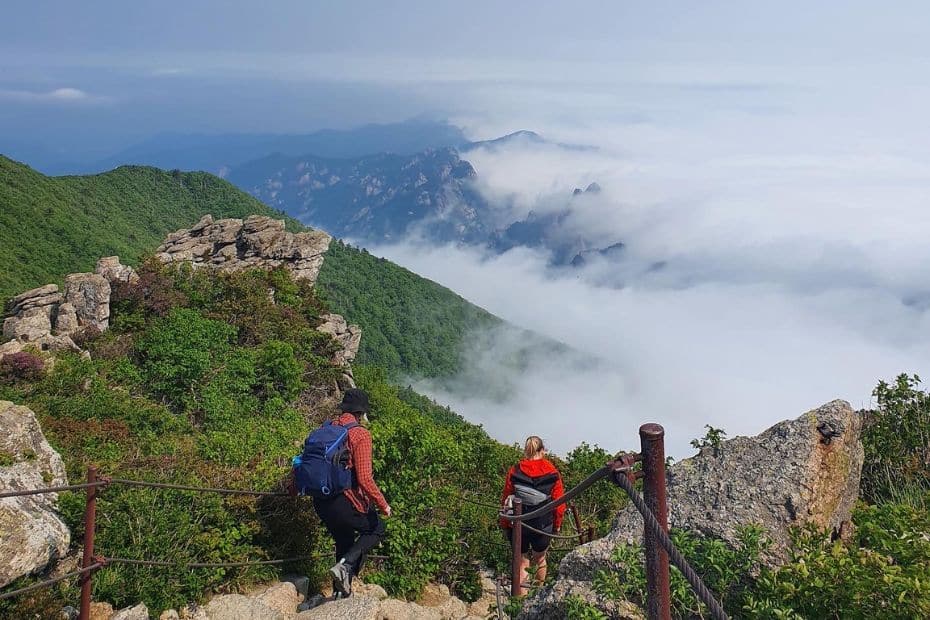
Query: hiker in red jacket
[
  {"x": 536, "y": 481},
  {"x": 352, "y": 516}
]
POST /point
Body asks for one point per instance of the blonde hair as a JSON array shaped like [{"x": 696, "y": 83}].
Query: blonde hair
[{"x": 534, "y": 445}]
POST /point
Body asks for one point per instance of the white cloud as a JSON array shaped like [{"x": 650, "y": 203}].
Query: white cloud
[
  {"x": 775, "y": 258},
  {"x": 64, "y": 95}
]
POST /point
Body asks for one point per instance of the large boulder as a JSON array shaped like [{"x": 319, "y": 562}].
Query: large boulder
[
  {"x": 798, "y": 472},
  {"x": 28, "y": 326},
  {"x": 114, "y": 271},
  {"x": 31, "y": 534},
  {"x": 89, "y": 295},
  {"x": 256, "y": 242}
]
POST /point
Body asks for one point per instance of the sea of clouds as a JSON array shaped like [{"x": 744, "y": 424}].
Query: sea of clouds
[{"x": 775, "y": 259}]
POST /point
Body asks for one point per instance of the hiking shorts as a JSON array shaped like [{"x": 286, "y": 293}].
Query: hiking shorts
[{"x": 531, "y": 540}]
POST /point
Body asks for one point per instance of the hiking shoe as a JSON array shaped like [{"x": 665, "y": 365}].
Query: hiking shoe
[{"x": 342, "y": 578}]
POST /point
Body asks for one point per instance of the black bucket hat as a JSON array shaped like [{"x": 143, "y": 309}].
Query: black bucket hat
[{"x": 354, "y": 401}]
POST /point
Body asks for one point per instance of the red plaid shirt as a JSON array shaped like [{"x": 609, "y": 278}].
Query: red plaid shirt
[{"x": 366, "y": 490}]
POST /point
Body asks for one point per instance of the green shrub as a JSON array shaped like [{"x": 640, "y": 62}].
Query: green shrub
[
  {"x": 278, "y": 370},
  {"x": 177, "y": 352},
  {"x": 880, "y": 573},
  {"x": 897, "y": 444},
  {"x": 726, "y": 570}
]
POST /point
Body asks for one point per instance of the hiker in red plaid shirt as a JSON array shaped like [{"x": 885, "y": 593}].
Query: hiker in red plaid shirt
[{"x": 352, "y": 516}]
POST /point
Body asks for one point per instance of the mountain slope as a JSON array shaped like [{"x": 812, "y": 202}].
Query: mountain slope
[
  {"x": 50, "y": 226},
  {"x": 411, "y": 325}
]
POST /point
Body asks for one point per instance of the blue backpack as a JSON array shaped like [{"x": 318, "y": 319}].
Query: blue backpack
[{"x": 320, "y": 470}]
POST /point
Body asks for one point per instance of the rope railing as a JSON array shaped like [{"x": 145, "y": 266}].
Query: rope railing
[
  {"x": 580, "y": 488},
  {"x": 51, "y": 582},
  {"x": 44, "y": 490},
  {"x": 182, "y": 487},
  {"x": 192, "y": 565},
  {"x": 619, "y": 470},
  {"x": 697, "y": 584}
]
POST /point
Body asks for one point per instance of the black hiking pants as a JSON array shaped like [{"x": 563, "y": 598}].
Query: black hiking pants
[{"x": 355, "y": 533}]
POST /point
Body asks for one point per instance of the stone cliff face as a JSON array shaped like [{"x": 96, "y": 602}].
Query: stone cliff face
[
  {"x": 31, "y": 534},
  {"x": 256, "y": 241},
  {"x": 798, "y": 472}
]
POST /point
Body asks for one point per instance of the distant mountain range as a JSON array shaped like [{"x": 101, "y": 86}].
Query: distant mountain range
[
  {"x": 431, "y": 194},
  {"x": 217, "y": 153},
  {"x": 376, "y": 184}
]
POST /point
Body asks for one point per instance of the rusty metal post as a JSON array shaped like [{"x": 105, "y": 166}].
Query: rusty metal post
[
  {"x": 90, "y": 518},
  {"x": 658, "y": 602},
  {"x": 516, "y": 536}
]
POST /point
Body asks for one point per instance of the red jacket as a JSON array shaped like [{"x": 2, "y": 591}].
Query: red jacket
[{"x": 535, "y": 468}]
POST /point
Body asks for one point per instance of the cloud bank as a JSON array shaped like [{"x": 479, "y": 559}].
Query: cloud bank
[{"x": 775, "y": 258}]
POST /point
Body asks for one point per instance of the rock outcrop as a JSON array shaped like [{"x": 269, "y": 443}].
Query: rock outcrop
[
  {"x": 31, "y": 534},
  {"x": 802, "y": 471},
  {"x": 280, "y": 601},
  {"x": 257, "y": 241},
  {"x": 46, "y": 319}
]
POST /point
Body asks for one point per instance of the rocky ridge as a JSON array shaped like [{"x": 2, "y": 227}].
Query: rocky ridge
[{"x": 47, "y": 319}]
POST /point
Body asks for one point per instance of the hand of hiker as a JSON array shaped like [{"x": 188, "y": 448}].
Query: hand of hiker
[{"x": 387, "y": 511}]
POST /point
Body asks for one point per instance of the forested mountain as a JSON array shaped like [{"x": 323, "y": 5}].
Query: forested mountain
[{"x": 51, "y": 226}]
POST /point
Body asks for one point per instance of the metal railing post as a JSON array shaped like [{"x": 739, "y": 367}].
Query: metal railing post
[
  {"x": 658, "y": 602},
  {"x": 516, "y": 585},
  {"x": 90, "y": 518}
]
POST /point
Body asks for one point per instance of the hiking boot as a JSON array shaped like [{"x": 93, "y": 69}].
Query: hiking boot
[{"x": 342, "y": 578}]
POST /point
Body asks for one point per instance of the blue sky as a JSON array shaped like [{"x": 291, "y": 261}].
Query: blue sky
[{"x": 88, "y": 78}]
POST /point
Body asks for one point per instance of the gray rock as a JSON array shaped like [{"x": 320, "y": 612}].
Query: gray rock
[
  {"x": 33, "y": 535},
  {"x": 42, "y": 291},
  {"x": 282, "y": 597},
  {"x": 256, "y": 242},
  {"x": 550, "y": 604},
  {"x": 89, "y": 293},
  {"x": 790, "y": 475},
  {"x": 139, "y": 612},
  {"x": 66, "y": 322},
  {"x": 29, "y": 326},
  {"x": 169, "y": 614},
  {"x": 13, "y": 346},
  {"x": 348, "y": 336},
  {"x": 110, "y": 268},
  {"x": 392, "y": 609},
  {"x": 301, "y": 584},
  {"x": 237, "y": 607},
  {"x": 352, "y": 608}
]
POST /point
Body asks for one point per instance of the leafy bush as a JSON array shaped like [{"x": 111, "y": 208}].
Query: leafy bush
[
  {"x": 178, "y": 351},
  {"x": 727, "y": 571},
  {"x": 600, "y": 503},
  {"x": 897, "y": 444},
  {"x": 221, "y": 391},
  {"x": 22, "y": 366},
  {"x": 880, "y": 573}
]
